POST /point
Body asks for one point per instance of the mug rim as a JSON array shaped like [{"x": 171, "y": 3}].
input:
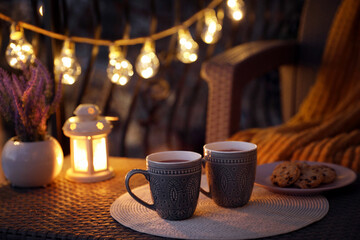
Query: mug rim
[
  {"x": 252, "y": 147},
  {"x": 179, "y": 155}
]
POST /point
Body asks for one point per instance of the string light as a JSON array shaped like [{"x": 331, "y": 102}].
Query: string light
[
  {"x": 41, "y": 10},
  {"x": 147, "y": 64},
  {"x": 120, "y": 42},
  {"x": 212, "y": 29},
  {"x": 187, "y": 50},
  {"x": 67, "y": 64},
  {"x": 236, "y": 9},
  {"x": 19, "y": 51},
  {"x": 119, "y": 69}
]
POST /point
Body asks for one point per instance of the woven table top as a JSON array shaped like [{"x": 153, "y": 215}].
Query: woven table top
[{"x": 67, "y": 210}]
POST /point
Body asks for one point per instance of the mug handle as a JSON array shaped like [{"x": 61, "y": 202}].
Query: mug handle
[
  {"x": 208, "y": 194},
  {"x": 127, "y": 180}
]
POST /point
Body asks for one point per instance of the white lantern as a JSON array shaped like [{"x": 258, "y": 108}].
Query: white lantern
[{"x": 88, "y": 145}]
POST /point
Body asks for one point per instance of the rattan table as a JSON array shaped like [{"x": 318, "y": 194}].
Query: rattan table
[{"x": 67, "y": 210}]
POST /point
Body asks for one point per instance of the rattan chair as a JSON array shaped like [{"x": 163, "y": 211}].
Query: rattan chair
[{"x": 319, "y": 83}]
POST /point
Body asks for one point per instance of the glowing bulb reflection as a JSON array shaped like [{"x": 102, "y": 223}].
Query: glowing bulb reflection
[
  {"x": 187, "y": 50},
  {"x": 236, "y": 9},
  {"x": 67, "y": 64},
  {"x": 147, "y": 63},
  {"x": 19, "y": 52},
  {"x": 212, "y": 29},
  {"x": 119, "y": 69}
]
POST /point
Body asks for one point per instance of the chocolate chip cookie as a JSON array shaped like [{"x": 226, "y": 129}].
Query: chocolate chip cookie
[
  {"x": 301, "y": 164},
  {"x": 329, "y": 174},
  {"x": 285, "y": 174},
  {"x": 311, "y": 176}
]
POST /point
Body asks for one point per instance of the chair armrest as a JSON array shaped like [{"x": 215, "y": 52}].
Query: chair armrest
[{"x": 229, "y": 72}]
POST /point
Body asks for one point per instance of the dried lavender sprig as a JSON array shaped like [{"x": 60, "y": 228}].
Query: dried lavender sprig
[
  {"x": 19, "y": 109},
  {"x": 36, "y": 96},
  {"x": 26, "y": 98},
  {"x": 49, "y": 83},
  {"x": 18, "y": 89}
]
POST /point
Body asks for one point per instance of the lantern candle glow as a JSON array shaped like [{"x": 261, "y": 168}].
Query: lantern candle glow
[{"x": 88, "y": 145}]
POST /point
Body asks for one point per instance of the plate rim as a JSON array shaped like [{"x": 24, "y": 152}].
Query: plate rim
[{"x": 297, "y": 191}]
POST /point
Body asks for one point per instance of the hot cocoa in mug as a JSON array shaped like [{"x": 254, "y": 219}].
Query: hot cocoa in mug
[
  {"x": 229, "y": 150},
  {"x": 173, "y": 161}
]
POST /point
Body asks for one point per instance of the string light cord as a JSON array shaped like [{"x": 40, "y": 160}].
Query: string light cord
[
  {"x": 120, "y": 42},
  {"x": 19, "y": 51}
]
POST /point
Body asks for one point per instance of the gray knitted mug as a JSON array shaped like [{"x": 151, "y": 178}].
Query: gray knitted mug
[
  {"x": 230, "y": 169},
  {"x": 174, "y": 179}
]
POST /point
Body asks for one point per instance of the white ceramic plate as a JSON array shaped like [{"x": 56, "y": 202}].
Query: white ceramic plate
[{"x": 345, "y": 176}]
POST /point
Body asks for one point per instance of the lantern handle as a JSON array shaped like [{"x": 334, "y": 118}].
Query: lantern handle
[{"x": 127, "y": 179}]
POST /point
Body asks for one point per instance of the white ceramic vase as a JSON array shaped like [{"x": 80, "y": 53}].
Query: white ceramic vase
[{"x": 32, "y": 164}]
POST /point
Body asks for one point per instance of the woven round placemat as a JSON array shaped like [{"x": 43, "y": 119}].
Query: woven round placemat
[{"x": 266, "y": 214}]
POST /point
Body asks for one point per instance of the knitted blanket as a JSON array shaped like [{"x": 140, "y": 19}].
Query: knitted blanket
[{"x": 327, "y": 126}]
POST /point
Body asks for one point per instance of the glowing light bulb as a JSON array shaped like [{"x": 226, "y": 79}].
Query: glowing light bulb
[
  {"x": 187, "y": 50},
  {"x": 41, "y": 10},
  {"x": 236, "y": 9},
  {"x": 212, "y": 29},
  {"x": 119, "y": 69},
  {"x": 19, "y": 52},
  {"x": 67, "y": 64},
  {"x": 147, "y": 63}
]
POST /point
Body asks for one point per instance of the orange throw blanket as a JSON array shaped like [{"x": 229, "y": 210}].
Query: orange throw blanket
[{"x": 327, "y": 126}]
